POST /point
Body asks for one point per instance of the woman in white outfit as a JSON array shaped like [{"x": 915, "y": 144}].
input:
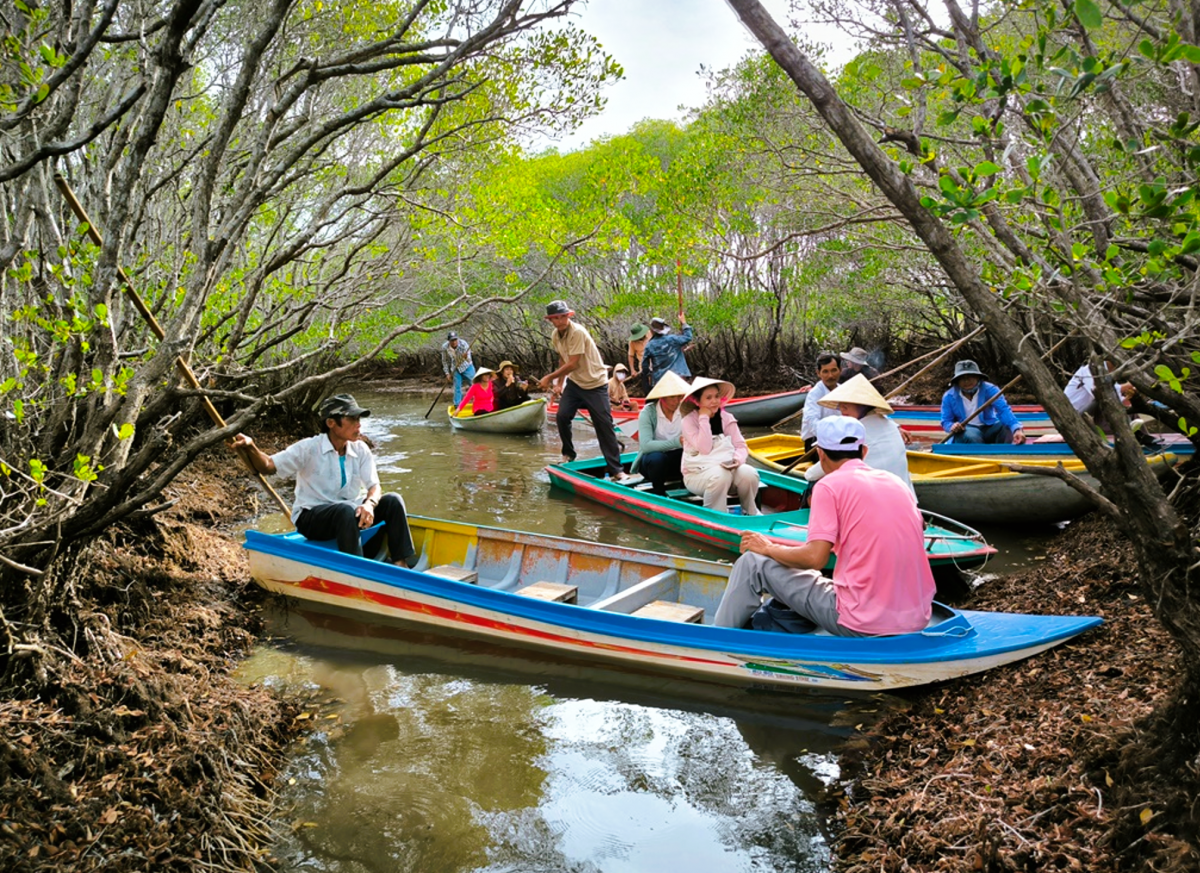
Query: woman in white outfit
[
  {"x": 858, "y": 398},
  {"x": 714, "y": 453}
]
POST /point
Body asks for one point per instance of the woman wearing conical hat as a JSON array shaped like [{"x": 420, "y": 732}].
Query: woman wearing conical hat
[
  {"x": 480, "y": 398},
  {"x": 714, "y": 453},
  {"x": 660, "y": 432},
  {"x": 858, "y": 398}
]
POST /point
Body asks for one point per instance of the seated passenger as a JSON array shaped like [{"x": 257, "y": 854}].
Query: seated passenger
[
  {"x": 660, "y": 430},
  {"x": 509, "y": 389},
  {"x": 714, "y": 453},
  {"x": 859, "y": 399},
  {"x": 480, "y": 399},
  {"x": 337, "y": 486},
  {"x": 968, "y": 392},
  {"x": 881, "y": 581},
  {"x": 618, "y": 397}
]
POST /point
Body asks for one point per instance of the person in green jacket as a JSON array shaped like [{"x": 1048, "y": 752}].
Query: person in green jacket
[{"x": 660, "y": 452}]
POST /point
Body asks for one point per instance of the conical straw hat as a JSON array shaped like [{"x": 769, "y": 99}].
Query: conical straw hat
[
  {"x": 481, "y": 372},
  {"x": 699, "y": 384},
  {"x": 670, "y": 385},
  {"x": 857, "y": 390}
]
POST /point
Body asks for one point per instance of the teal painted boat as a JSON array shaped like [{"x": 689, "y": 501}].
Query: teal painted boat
[{"x": 947, "y": 542}]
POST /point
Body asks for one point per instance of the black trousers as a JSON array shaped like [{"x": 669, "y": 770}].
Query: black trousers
[
  {"x": 336, "y": 521},
  {"x": 661, "y": 468},
  {"x": 595, "y": 401}
]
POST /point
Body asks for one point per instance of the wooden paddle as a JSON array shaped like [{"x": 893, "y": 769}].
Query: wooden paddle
[
  {"x": 180, "y": 364},
  {"x": 435, "y": 400},
  {"x": 679, "y": 284},
  {"x": 1054, "y": 348},
  {"x": 942, "y": 354}
]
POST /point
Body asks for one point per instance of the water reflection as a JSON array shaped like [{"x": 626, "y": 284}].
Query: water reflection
[{"x": 453, "y": 754}]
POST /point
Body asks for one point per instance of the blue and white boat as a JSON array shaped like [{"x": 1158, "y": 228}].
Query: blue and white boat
[{"x": 627, "y": 608}]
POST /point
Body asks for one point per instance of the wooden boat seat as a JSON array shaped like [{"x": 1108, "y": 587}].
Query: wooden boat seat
[
  {"x": 458, "y": 574},
  {"x": 555, "y": 592},
  {"x": 968, "y": 470},
  {"x": 636, "y": 596},
  {"x": 667, "y": 610}
]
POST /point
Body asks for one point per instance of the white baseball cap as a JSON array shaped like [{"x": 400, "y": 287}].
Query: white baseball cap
[{"x": 840, "y": 433}]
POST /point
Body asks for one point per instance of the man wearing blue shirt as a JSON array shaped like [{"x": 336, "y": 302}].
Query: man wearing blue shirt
[
  {"x": 969, "y": 392},
  {"x": 664, "y": 352}
]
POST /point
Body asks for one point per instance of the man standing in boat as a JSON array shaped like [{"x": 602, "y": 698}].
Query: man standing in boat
[
  {"x": 829, "y": 371},
  {"x": 457, "y": 365},
  {"x": 664, "y": 352},
  {"x": 584, "y": 386},
  {"x": 337, "y": 486},
  {"x": 881, "y": 583},
  {"x": 971, "y": 397}
]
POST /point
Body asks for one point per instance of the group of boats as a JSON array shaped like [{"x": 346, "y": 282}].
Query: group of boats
[{"x": 647, "y": 611}]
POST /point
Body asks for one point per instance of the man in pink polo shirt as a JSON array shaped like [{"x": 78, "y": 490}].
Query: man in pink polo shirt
[{"x": 881, "y": 582}]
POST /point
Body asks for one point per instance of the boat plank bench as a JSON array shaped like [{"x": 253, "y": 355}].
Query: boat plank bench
[
  {"x": 458, "y": 574},
  {"x": 667, "y": 610},
  {"x": 555, "y": 592}
]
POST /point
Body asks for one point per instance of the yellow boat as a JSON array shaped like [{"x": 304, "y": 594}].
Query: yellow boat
[{"x": 973, "y": 490}]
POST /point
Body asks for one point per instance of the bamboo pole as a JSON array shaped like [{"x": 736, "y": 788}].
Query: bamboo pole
[
  {"x": 942, "y": 354},
  {"x": 180, "y": 364}
]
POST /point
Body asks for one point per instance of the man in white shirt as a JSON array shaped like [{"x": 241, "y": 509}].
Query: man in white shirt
[
  {"x": 829, "y": 371},
  {"x": 337, "y": 486}
]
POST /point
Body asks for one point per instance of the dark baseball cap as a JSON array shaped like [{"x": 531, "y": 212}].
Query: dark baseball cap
[{"x": 342, "y": 404}]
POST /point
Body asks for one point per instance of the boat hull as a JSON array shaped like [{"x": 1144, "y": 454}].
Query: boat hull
[
  {"x": 955, "y": 644},
  {"x": 528, "y": 417},
  {"x": 976, "y": 490}
]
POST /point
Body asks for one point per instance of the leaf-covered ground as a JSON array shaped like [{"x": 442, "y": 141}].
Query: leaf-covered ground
[
  {"x": 1019, "y": 769},
  {"x": 147, "y": 754}
]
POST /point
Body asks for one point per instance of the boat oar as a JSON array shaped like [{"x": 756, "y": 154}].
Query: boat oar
[
  {"x": 1054, "y": 348},
  {"x": 800, "y": 460},
  {"x": 679, "y": 284},
  {"x": 435, "y": 400},
  {"x": 156, "y": 329}
]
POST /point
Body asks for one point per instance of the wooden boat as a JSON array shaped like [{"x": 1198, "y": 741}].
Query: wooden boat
[
  {"x": 1176, "y": 444},
  {"x": 619, "y": 605},
  {"x": 948, "y": 543},
  {"x": 762, "y": 410},
  {"x": 971, "y": 489},
  {"x": 766, "y": 409},
  {"x": 528, "y": 417},
  {"x": 936, "y": 409},
  {"x": 928, "y": 422}
]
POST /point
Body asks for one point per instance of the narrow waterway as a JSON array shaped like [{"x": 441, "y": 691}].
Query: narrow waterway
[{"x": 434, "y": 753}]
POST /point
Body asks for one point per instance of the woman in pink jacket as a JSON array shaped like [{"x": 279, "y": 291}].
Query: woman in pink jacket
[
  {"x": 714, "y": 453},
  {"x": 480, "y": 399}
]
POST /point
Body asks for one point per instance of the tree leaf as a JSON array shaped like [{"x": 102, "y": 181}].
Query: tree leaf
[{"x": 1088, "y": 13}]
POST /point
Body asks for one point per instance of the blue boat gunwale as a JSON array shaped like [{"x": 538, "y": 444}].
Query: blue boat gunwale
[{"x": 939, "y": 643}]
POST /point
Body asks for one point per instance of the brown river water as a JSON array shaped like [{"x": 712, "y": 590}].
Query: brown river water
[{"x": 438, "y": 754}]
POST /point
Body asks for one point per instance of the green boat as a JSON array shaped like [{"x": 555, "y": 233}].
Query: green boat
[{"x": 948, "y": 543}]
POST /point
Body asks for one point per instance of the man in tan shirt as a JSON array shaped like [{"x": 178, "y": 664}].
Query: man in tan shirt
[{"x": 584, "y": 385}]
